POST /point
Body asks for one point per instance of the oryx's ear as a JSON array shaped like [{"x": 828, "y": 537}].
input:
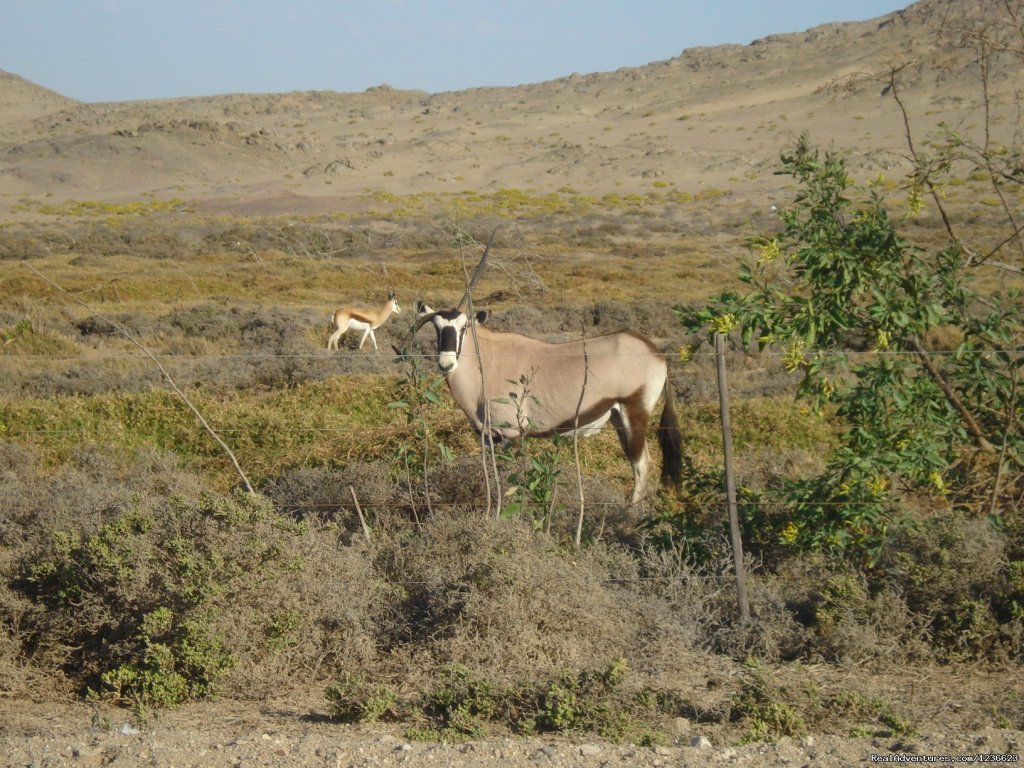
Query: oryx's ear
[
  {"x": 481, "y": 316},
  {"x": 420, "y": 308}
]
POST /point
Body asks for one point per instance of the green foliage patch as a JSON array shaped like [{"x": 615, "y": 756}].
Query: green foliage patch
[
  {"x": 316, "y": 421},
  {"x": 839, "y": 279},
  {"x": 465, "y": 705}
]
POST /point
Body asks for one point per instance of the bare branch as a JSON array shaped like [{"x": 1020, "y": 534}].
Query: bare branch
[
  {"x": 969, "y": 421},
  {"x": 359, "y": 511},
  {"x": 923, "y": 173}
]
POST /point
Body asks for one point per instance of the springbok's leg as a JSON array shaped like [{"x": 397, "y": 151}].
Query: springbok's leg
[
  {"x": 332, "y": 343},
  {"x": 365, "y": 334},
  {"x": 373, "y": 338}
]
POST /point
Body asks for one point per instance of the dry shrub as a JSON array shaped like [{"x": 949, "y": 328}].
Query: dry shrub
[
  {"x": 653, "y": 319},
  {"x": 326, "y": 493},
  {"x": 139, "y": 325},
  {"x": 835, "y": 615},
  {"x": 509, "y": 603},
  {"x": 142, "y": 238},
  {"x": 54, "y": 378},
  {"x": 20, "y": 246},
  {"x": 801, "y": 608},
  {"x": 123, "y": 576},
  {"x": 605, "y": 516},
  {"x": 704, "y": 600},
  {"x": 263, "y": 331},
  {"x": 961, "y": 576},
  {"x": 313, "y": 618},
  {"x": 93, "y": 488},
  {"x": 191, "y": 596},
  {"x": 459, "y": 483}
]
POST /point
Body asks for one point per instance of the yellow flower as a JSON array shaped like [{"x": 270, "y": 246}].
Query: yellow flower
[
  {"x": 769, "y": 252},
  {"x": 826, "y": 387},
  {"x": 915, "y": 202},
  {"x": 881, "y": 340},
  {"x": 789, "y": 533},
  {"x": 878, "y": 485},
  {"x": 935, "y": 478},
  {"x": 685, "y": 353},
  {"x": 793, "y": 357},
  {"x": 724, "y": 323}
]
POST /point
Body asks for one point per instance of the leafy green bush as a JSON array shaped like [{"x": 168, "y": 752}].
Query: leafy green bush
[
  {"x": 354, "y": 699},
  {"x": 850, "y": 303},
  {"x": 461, "y": 704},
  {"x": 464, "y": 704},
  {"x": 764, "y": 706}
]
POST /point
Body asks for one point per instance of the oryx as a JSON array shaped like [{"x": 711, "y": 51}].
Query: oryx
[
  {"x": 577, "y": 385},
  {"x": 362, "y": 319}
]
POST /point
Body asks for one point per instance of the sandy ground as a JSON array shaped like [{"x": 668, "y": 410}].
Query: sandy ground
[{"x": 282, "y": 733}]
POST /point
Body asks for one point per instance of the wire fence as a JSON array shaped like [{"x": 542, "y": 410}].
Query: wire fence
[
  {"x": 418, "y": 496},
  {"x": 94, "y": 356}
]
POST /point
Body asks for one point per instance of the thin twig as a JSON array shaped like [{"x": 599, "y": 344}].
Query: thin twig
[
  {"x": 486, "y": 438},
  {"x": 908, "y": 133},
  {"x": 359, "y": 511}
]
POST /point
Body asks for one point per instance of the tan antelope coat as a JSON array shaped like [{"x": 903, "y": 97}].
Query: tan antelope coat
[{"x": 621, "y": 376}]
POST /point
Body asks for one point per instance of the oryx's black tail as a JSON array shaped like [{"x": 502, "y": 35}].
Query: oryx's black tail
[{"x": 671, "y": 441}]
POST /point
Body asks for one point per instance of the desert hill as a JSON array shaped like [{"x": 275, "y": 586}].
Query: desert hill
[
  {"x": 24, "y": 100},
  {"x": 712, "y": 117}
]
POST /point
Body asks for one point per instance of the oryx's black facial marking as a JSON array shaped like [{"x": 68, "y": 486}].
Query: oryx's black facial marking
[{"x": 451, "y": 326}]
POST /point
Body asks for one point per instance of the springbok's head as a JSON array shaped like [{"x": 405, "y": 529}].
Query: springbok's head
[
  {"x": 451, "y": 326},
  {"x": 393, "y": 301}
]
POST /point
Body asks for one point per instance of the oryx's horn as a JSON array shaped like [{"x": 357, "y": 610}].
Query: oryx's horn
[
  {"x": 478, "y": 273},
  {"x": 422, "y": 320}
]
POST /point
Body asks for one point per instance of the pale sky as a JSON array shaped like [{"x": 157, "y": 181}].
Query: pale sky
[{"x": 115, "y": 50}]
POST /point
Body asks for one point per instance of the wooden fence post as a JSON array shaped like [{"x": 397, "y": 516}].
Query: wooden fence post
[{"x": 730, "y": 481}]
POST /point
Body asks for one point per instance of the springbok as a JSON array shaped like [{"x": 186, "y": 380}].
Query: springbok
[
  {"x": 573, "y": 386},
  {"x": 362, "y": 319}
]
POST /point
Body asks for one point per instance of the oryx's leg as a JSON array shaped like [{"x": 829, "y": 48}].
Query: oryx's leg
[{"x": 630, "y": 421}]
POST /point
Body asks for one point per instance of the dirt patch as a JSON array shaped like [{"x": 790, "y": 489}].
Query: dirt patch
[{"x": 293, "y": 730}]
